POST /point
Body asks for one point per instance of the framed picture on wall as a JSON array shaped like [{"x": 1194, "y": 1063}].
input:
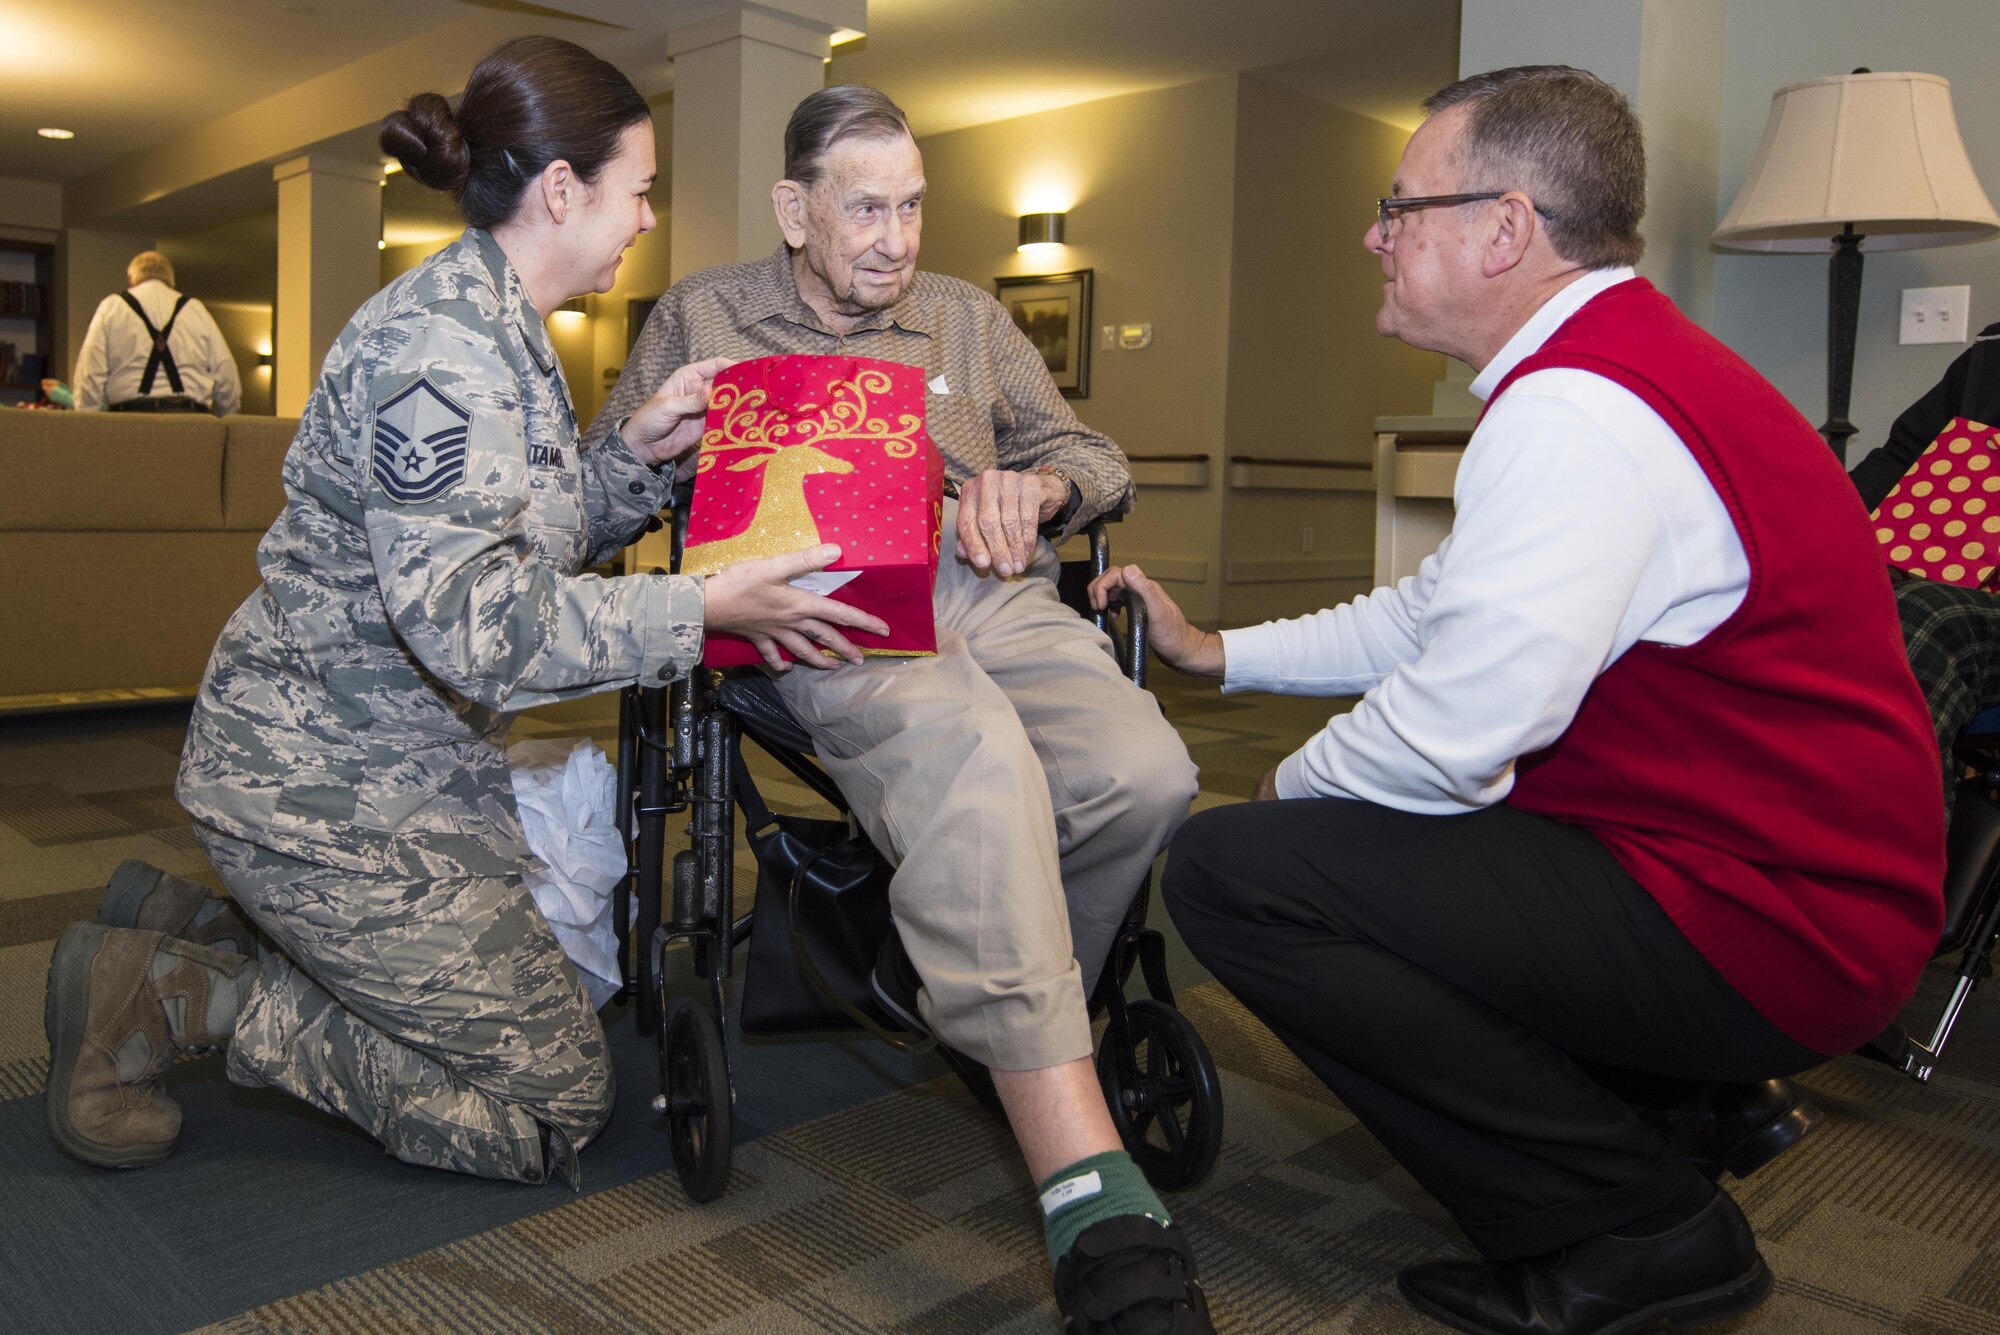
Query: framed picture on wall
[{"x": 1053, "y": 310}]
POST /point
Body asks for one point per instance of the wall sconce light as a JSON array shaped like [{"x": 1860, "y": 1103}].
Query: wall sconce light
[
  {"x": 1041, "y": 229},
  {"x": 263, "y": 361},
  {"x": 573, "y": 309}
]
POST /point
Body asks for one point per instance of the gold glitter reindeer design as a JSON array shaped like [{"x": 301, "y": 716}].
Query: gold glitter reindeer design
[
  {"x": 783, "y": 521},
  {"x": 786, "y": 452}
]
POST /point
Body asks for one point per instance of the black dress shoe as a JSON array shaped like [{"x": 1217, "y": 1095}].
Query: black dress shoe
[
  {"x": 1704, "y": 1270},
  {"x": 1737, "y": 1127}
]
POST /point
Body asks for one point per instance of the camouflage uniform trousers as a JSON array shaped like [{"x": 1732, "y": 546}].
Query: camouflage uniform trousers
[{"x": 439, "y": 1015}]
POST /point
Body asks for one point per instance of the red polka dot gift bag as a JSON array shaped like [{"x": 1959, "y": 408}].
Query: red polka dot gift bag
[
  {"x": 799, "y": 451},
  {"x": 1942, "y": 521}
]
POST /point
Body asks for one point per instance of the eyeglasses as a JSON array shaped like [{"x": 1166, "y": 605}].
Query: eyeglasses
[{"x": 1394, "y": 204}]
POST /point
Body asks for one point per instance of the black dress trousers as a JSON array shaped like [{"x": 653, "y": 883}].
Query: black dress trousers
[{"x": 1490, "y": 994}]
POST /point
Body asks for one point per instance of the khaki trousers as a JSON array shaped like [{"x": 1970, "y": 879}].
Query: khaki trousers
[
  {"x": 439, "y": 1015},
  {"x": 1021, "y": 785}
]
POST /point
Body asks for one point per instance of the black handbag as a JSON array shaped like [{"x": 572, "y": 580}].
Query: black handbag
[{"x": 821, "y": 916}]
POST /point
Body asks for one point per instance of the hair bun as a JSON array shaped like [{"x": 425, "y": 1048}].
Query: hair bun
[{"x": 425, "y": 138}]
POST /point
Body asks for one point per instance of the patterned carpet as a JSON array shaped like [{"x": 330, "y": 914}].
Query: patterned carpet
[
  {"x": 1886, "y": 1220},
  {"x": 866, "y": 1196}
]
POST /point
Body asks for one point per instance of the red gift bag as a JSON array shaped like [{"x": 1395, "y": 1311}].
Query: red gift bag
[
  {"x": 1942, "y": 520},
  {"x": 804, "y": 450}
]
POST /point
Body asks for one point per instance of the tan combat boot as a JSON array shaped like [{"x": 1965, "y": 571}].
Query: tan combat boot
[
  {"x": 141, "y": 895},
  {"x": 122, "y": 1004}
]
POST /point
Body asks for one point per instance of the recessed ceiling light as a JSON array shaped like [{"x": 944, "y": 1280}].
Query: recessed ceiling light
[{"x": 51, "y": 132}]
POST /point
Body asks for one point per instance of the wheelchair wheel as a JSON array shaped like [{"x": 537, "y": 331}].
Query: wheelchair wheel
[
  {"x": 1165, "y": 1096},
  {"x": 698, "y": 1100}
]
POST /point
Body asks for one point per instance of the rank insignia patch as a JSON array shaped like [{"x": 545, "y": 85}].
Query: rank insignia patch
[{"x": 420, "y": 438}]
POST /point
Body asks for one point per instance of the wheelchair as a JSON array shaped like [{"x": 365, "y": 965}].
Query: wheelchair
[
  {"x": 679, "y": 752},
  {"x": 1971, "y": 899}
]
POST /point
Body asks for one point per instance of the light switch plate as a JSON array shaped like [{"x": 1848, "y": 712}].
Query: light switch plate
[
  {"x": 1934, "y": 314},
  {"x": 1107, "y": 338}
]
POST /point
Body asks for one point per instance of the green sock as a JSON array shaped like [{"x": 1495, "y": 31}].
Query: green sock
[{"x": 1090, "y": 1190}]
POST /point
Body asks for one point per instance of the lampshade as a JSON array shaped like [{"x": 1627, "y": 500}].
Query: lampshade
[
  {"x": 1041, "y": 229},
  {"x": 1880, "y": 151}
]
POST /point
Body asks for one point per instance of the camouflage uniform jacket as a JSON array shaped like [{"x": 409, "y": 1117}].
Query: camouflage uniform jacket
[
  {"x": 991, "y": 402},
  {"x": 422, "y": 585}
]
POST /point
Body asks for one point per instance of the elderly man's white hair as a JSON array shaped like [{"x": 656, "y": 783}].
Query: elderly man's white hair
[{"x": 149, "y": 264}]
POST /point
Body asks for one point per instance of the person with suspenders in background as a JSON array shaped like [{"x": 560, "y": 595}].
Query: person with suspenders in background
[{"x": 151, "y": 349}]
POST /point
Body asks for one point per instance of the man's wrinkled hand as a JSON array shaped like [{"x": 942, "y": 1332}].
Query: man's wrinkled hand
[{"x": 1000, "y": 515}]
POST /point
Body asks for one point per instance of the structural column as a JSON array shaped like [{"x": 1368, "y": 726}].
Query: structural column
[
  {"x": 329, "y": 220},
  {"x": 737, "y": 77}
]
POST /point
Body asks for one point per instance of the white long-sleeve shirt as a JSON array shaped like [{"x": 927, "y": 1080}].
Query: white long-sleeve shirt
[
  {"x": 116, "y": 347},
  {"x": 1583, "y": 526}
]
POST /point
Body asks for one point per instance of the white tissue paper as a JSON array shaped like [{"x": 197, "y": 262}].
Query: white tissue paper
[{"x": 567, "y": 793}]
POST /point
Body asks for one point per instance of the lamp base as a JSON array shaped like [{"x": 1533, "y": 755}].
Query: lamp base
[
  {"x": 1843, "y": 314},
  {"x": 1838, "y": 431}
]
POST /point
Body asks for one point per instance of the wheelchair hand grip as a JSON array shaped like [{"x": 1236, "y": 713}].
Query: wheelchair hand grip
[{"x": 1135, "y": 641}]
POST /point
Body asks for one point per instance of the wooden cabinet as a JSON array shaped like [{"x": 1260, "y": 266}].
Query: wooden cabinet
[
  {"x": 1416, "y": 463},
  {"x": 27, "y": 319}
]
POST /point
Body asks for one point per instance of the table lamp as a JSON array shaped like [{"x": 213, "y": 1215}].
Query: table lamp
[{"x": 1855, "y": 157}]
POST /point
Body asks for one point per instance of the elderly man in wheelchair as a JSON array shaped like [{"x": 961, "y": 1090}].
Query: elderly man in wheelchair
[
  {"x": 825, "y": 898},
  {"x": 1018, "y": 783}
]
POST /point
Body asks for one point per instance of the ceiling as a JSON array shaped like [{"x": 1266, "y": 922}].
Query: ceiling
[
  {"x": 126, "y": 75},
  {"x": 132, "y": 76}
]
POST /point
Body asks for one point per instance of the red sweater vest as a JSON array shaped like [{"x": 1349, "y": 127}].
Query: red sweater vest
[{"x": 1775, "y": 785}]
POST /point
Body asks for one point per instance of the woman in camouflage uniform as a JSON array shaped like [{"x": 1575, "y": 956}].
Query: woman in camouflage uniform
[{"x": 345, "y": 763}]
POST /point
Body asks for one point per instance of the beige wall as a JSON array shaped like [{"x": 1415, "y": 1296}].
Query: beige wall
[
  {"x": 36, "y": 204},
  {"x": 1308, "y": 374},
  {"x": 1146, "y": 181},
  {"x": 247, "y": 330}
]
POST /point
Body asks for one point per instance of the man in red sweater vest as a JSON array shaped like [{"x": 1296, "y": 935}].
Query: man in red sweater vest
[{"x": 1639, "y": 812}]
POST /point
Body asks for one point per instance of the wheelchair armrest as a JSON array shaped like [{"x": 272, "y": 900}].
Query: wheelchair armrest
[{"x": 753, "y": 698}]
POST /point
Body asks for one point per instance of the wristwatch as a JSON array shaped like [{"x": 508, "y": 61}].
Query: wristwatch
[{"x": 1068, "y": 507}]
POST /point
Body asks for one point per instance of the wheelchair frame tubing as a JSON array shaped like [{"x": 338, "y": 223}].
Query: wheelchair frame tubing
[
  {"x": 1974, "y": 965},
  {"x": 649, "y": 821},
  {"x": 712, "y": 834},
  {"x": 705, "y": 874},
  {"x": 627, "y": 783}
]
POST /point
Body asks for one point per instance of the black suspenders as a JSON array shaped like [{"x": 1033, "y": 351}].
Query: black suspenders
[{"x": 161, "y": 360}]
